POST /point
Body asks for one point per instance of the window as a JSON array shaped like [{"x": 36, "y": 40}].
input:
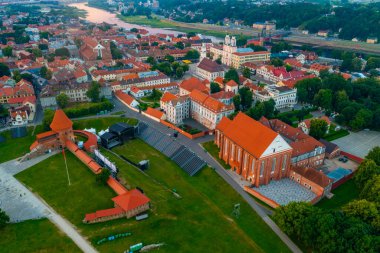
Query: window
[
  {"x": 274, "y": 164},
  {"x": 245, "y": 160},
  {"x": 253, "y": 167},
  {"x": 262, "y": 168},
  {"x": 284, "y": 162}
]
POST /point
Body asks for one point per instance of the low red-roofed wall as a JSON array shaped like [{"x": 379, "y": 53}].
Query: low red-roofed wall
[
  {"x": 352, "y": 157},
  {"x": 261, "y": 197},
  {"x": 92, "y": 141}
]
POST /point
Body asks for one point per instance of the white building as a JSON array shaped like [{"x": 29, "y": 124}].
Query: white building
[
  {"x": 235, "y": 57},
  {"x": 283, "y": 96},
  {"x": 208, "y": 69},
  {"x": 176, "y": 108}
]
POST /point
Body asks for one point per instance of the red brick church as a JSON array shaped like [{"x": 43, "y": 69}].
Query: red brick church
[{"x": 253, "y": 151}]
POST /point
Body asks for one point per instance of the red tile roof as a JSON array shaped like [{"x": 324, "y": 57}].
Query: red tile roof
[
  {"x": 103, "y": 213},
  {"x": 209, "y": 102},
  {"x": 232, "y": 83},
  {"x": 313, "y": 175},
  {"x": 116, "y": 186},
  {"x": 124, "y": 97},
  {"x": 60, "y": 121},
  {"x": 131, "y": 200},
  {"x": 247, "y": 133},
  {"x": 193, "y": 83},
  {"x": 167, "y": 97},
  {"x": 154, "y": 113}
]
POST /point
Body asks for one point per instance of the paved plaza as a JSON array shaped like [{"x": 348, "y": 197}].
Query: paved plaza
[
  {"x": 15, "y": 199},
  {"x": 284, "y": 191},
  {"x": 359, "y": 143}
]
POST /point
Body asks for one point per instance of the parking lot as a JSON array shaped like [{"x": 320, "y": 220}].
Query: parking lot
[{"x": 359, "y": 143}]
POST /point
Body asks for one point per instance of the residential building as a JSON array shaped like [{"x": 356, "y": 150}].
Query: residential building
[
  {"x": 177, "y": 108},
  {"x": 235, "y": 57},
  {"x": 193, "y": 83},
  {"x": 92, "y": 49},
  {"x": 307, "y": 151},
  {"x": 305, "y": 124},
  {"x": 268, "y": 26},
  {"x": 208, "y": 69},
  {"x": 283, "y": 96},
  {"x": 256, "y": 153},
  {"x": 207, "y": 110}
]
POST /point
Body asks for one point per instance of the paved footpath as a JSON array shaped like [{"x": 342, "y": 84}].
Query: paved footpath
[{"x": 21, "y": 204}]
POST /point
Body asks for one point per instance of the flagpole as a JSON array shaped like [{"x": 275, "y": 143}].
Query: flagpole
[{"x": 67, "y": 169}]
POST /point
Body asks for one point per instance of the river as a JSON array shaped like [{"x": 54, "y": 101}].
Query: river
[{"x": 98, "y": 16}]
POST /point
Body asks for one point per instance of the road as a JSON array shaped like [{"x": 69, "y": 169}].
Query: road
[
  {"x": 32, "y": 204},
  {"x": 195, "y": 146}
]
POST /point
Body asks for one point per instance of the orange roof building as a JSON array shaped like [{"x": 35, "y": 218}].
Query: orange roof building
[
  {"x": 255, "y": 152},
  {"x": 193, "y": 83}
]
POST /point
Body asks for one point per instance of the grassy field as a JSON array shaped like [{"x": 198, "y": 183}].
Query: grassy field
[
  {"x": 213, "y": 150},
  {"x": 333, "y": 135},
  {"x": 35, "y": 236},
  {"x": 342, "y": 195},
  {"x": 181, "y": 27},
  {"x": 199, "y": 221},
  {"x": 13, "y": 148}
]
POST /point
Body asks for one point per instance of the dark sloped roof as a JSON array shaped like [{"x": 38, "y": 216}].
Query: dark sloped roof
[
  {"x": 330, "y": 147},
  {"x": 210, "y": 66}
]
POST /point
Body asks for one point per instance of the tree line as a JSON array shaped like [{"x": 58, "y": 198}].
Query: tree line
[
  {"x": 357, "y": 102},
  {"x": 355, "y": 227}
]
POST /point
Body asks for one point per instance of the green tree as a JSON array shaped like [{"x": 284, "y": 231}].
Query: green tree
[
  {"x": 155, "y": 95},
  {"x": 366, "y": 170},
  {"x": 7, "y": 51},
  {"x": 47, "y": 119},
  {"x": 246, "y": 73},
  {"x": 94, "y": 92},
  {"x": 269, "y": 107},
  {"x": 356, "y": 64},
  {"x": 179, "y": 72},
  {"x": 4, "y": 70},
  {"x": 323, "y": 99},
  {"x": 371, "y": 190},
  {"x": 151, "y": 60},
  {"x": 246, "y": 97},
  {"x": 219, "y": 60},
  {"x": 62, "y": 52},
  {"x": 241, "y": 41},
  {"x": 232, "y": 74},
  {"x": 362, "y": 119},
  {"x": 214, "y": 87},
  {"x": 257, "y": 48},
  {"x": 362, "y": 209},
  {"x": 37, "y": 52},
  {"x": 169, "y": 58},
  {"x": 318, "y": 128},
  {"x": 4, "y": 219},
  {"x": 154, "y": 44},
  {"x": 16, "y": 76},
  {"x": 257, "y": 111},
  {"x": 373, "y": 63},
  {"x": 179, "y": 45},
  {"x": 374, "y": 155},
  {"x": 192, "y": 54},
  {"x": 115, "y": 51},
  {"x": 341, "y": 100},
  {"x": 62, "y": 100},
  {"x": 103, "y": 176},
  {"x": 237, "y": 102},
  {"x": 293, "y": 218},
  {"x": 277, "y": 62},
  {"x": 134, "y": 30},
  {"x": 307, "y": 89}
]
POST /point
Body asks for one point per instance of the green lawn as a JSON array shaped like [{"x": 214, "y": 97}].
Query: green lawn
[
  {"x": 213, "y": 150},
  {"x": 201, "y": 219},
  {"x": 102, "y": 123},
  {"x": 14, "y": 148},
  {"x": 333, "y": 135},
  {"x": 342, "y": 195},
  {"x": 182, "y": 27},
  {"x": 35, "y": 236}
]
